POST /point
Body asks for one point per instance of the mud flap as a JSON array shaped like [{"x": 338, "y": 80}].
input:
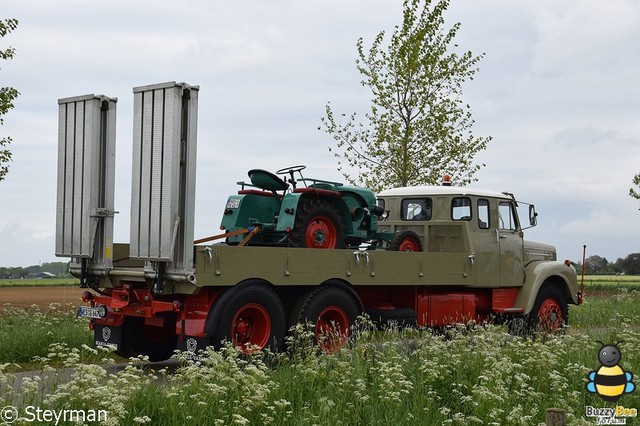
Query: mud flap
[
  {"x": 107, "y": 336},
  {"x": 192, "y": 346}
]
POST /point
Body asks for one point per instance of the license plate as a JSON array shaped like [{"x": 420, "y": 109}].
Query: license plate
[
  {"x": 233, "y": 203},
  {"x": 91, "y": 312}
]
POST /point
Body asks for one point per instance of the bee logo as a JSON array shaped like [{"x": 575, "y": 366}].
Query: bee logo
[{"x": 610, "y": 381}]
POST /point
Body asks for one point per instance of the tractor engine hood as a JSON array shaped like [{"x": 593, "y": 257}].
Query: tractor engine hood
[{"x": 538, "y": 251}]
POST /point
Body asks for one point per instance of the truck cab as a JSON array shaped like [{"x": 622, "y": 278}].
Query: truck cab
[{"x": 476, "y": 236}]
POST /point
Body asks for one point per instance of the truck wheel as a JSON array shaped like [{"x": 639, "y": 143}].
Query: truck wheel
[
  {"x": 317, "y": 225},
  {"x": 158, "y": 343},
  {"x": 550, "y": 313},
  {"x": 250, "y": 316},
  {"x": 332, "y": 312},
  {"x": 406, "y": 240}
]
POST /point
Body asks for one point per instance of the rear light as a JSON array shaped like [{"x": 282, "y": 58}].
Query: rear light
[
  {"x": 91, "y": 326},
  {"x": 87, "y": 297}
]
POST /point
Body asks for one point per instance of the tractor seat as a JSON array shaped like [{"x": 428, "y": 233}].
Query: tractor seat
[{"x": 267, "y": 180}]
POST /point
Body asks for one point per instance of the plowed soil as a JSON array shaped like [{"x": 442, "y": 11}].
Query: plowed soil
[{"x": 67, "y": 296}]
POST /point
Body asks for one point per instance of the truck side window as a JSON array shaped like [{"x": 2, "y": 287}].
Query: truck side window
[
  {"x": 461, "y": 208},
  {"x": 416, "y": 209},
  {"x": 508, "y": 219},
  {"x": 483, "y": 214}
]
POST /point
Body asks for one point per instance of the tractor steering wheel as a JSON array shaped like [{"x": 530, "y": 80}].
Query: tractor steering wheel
[{"x": 291, "y": 170}]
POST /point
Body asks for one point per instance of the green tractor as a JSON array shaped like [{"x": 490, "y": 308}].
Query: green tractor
[{"x": 302, "y": 212}]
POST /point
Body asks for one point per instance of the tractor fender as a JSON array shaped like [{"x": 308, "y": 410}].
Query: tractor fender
[
  {"x": 288, "y": 210},
  {"x": 291, "y": 203},
  {"x": 539, "y": 273}
]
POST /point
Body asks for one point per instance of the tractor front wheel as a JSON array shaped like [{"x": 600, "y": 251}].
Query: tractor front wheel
[
  {"x": 318, "y": 225},
  {"x": 406, "y": 240}
]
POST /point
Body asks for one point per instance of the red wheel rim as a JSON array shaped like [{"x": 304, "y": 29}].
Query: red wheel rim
[
  {"x": 251, "y": 328},
  {"x": 408, "y": 244},
  {"x": 321, "y": 233},
  {"x": 550, "y": 315},
  {"x": 332, "y": 329}
]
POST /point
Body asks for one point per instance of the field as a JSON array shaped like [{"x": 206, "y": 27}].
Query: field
[
  {"x": 31, "y": 282},
  {"x": 463, "y": 375}
]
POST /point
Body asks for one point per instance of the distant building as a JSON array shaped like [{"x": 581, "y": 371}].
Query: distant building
[{"x": 43, "y": 275}]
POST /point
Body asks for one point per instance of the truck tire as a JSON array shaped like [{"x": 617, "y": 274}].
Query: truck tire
[
  {"x": 318, "y": 225},
  {"x": 332, "y": 312},
  {"x": 251, "y": 316},
  {"x": 549, "y": 314},
  {"x": 158, "y": 343},
  {"x": 406, "y": 240}
]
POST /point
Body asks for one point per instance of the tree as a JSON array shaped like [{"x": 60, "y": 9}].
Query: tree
[
  {"x": 635, "y": 193},
  {"x": 7, "y": 95},
  {"x": 596, "y": 265},
  {"x": 418, "y": 128},
  {"x": 630, "y": 265}
]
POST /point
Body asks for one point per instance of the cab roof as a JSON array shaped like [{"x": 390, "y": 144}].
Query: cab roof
[{"x": 414, "y": 191}]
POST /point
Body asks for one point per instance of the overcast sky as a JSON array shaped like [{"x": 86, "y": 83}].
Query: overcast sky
[{"x": 557, "y": 90}]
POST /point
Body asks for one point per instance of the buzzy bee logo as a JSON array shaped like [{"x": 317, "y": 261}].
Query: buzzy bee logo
[{"x": 610, "y": 381}]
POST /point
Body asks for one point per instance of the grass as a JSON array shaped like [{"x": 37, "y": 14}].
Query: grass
[
  {"x": 31, "y": 282},
  {"x": 29, "y": 336},
  {"x": 464, "y": 376}
]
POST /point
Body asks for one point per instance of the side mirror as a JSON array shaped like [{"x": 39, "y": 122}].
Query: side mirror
[{"x": 533, "y": 216}]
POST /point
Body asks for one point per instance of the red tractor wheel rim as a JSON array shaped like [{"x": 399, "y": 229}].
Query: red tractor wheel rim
[
  {"x": 550, "y": 315},
  {"x": 408, "y": 244},
  {"x": 251, "y": 328},
  {"x": 332, "y": 329},
  {"x": 321, "y": 233}
]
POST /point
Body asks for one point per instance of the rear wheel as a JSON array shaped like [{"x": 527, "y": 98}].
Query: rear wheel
[
  {"x": 158, "y": 343},
  {"x": 332, "y": 312},
  {"x": 406, "y": 240},
  {"x": 251, "y": 317},
  {"x": 318, "y": 225}
]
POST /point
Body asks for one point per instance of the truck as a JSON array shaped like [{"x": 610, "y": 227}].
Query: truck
[{"x": 427, "y": 256}]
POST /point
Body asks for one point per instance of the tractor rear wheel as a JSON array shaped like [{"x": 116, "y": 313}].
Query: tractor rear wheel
[
  {"x": 318, "y": 225},
  {"x": 406, "y": 240}
]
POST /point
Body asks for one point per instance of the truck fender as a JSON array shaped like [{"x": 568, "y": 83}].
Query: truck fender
[
  {"x": 547, "y": 272},
  {"x": 346, "y": 287}
]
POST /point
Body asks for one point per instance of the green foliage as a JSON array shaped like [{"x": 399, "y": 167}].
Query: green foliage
[
  {"x": 418, "y": 127},
  {"x": 635, "y": 193},
  {"x": 59, "y": 269},
  {"x": 461, "y": 376},
  {"x": 7, "y": 96}
]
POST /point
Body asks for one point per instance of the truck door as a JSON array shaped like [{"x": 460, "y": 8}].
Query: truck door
[{"x": 511, "y": 245}]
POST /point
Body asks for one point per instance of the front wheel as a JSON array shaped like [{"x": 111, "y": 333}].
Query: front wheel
[
  {"x": 406, "y": 240},
  {"x": 550, "y": 313}
]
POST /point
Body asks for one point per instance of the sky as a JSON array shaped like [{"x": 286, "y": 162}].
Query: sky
[{"x": 557, "y": 90}]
